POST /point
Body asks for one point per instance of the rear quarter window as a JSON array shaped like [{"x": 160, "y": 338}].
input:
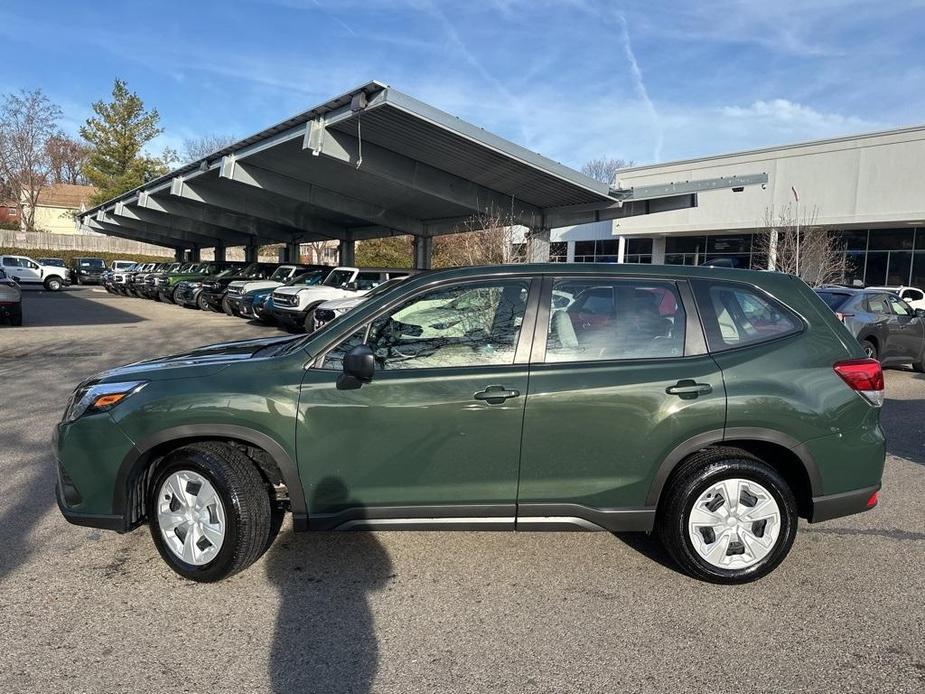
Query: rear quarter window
[{"x": 738, "y": 315}]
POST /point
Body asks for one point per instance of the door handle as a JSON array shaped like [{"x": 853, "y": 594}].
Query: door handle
[
  {"x": 688, "y": 388},
  {"x": 496, "y": 395}
]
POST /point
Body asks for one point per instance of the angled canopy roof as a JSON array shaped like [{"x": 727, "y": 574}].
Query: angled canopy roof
[{"x": 372, "y": 162}]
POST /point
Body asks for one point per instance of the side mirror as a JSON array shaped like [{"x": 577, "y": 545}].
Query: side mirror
[
  {"x": 352, "y": 286},
  {"x": 359, "y": 368},
  {"x": 920, "y": 313}
]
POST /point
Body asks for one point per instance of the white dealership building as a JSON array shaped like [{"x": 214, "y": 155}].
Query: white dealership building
[{"x": 869, "y": 187}]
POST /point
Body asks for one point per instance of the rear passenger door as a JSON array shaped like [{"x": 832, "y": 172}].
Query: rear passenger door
[{"x": 619, "y": 377}]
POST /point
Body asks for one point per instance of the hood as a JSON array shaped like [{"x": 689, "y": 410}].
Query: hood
[
  {"x": 351, "y": 302},
  {"x": 205, "y": 361}
]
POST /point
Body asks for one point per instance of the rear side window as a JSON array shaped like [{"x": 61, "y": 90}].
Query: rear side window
[
  {"x": 735, "y": 315},
  {"x": 878, "y": 303},
  {"x": 368, "y": 280},
  {"x": 912, "y": 295},
  {"x": 598, "y": 320}
]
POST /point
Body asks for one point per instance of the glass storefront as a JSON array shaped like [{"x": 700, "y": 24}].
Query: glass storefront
[{"x": 872, "y": 256}]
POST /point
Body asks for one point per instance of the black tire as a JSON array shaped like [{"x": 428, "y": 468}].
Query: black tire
[
  {"x": 53, "y": 284},
  {"x": 870, "y": 349},
  {"x": 309, "y": 323},
  {"x": 248, "y": 515},
  {"x": 693, "y": 477},
  {"x": 226, "y": 306},
  {"x": 202, "y": 303}
]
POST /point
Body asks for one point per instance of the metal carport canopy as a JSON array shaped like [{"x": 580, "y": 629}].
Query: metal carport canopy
[{"x": 370, "y": 163}]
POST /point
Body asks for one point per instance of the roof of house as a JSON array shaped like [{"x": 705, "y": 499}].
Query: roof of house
[{"x": 66, "y": 195}]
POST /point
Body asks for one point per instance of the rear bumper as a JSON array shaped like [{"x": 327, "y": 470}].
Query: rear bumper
[{"x": 844, "y": 504}]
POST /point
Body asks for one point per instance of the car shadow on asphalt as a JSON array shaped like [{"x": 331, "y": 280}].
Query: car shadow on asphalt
[
  {"x": 325, "y": 634},
  {"x": 24, "y": 506},
  {"x": 900, "y": 420},
  {"x": 71, "y": 307},
  {"x": 648, "y": 546}
]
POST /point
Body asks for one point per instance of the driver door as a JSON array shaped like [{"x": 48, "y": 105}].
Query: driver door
[{"x": 434, "y": 439}]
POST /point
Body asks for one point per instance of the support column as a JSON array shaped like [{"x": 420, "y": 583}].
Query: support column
[
  {"x": 179, "y": 254},
  {"x": 347, "y": 251},
  {"x": 658, "y": 250},
  {"x": 220, "y": 252},
  {"x": 250, "y": 252},
  {"x": 293, "y": 251},
  {"x": 538, "y": 246},
  {"x": 423, "y": 252},
  {"x": 570, "y": 252},
  {"x": 621, "y": 249},
  {"x": 194, "y": 254}
]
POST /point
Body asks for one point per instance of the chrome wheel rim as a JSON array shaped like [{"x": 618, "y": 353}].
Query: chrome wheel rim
[
  {"x": 191, "y": 517},
  {"x": 734, "y": 524}
]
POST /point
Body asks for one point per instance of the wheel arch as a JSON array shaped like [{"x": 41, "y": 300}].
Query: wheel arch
[
  {"x": 134, "y": 472},
  {"x": 784, "y": 453}
]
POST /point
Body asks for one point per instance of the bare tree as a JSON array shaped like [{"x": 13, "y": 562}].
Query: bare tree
[
  {"x": 486, "y": 238},
  {"x": 604, "y": 169},
  {"x": 795, "y": 244},
  {"x": 66, "y": 157},
  {"x": 195, "y": 148},
  {"x": 28, "y": 120}
]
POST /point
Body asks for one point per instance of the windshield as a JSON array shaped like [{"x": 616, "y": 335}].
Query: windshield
[
  {"x": 254, "y": 270},
  {"x": 91, "y": 262},
  {"x": 307, "y": 279},
  {"x": 281, "y": 274},
  {"x": 338, "y": 278},
  {"x": 834, "y": 300}
]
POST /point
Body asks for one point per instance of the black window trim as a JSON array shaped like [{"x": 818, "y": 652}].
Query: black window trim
[
  {"x": 694, "y": 338},
  {"x": 798, "y": 317},
  {"x": 524, "y": 340}
]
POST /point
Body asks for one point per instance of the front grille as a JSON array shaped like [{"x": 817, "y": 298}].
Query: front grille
[
  {"x": 234, "y": 291},
  {"x": 285, "y": 299}
]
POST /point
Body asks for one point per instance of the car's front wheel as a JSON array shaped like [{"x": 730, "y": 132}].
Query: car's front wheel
[
  {"x": 727, "y": 517},
  {"x": 53, "y": 284},
  {"x": 210, "y": 512}
]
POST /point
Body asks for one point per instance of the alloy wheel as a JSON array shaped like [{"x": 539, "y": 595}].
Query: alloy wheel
[
  {"x": 191, "y": 517},
  {"x": 734, "y": 524}
]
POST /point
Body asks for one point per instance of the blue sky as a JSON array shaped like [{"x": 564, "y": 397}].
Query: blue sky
[{"x": 645, "y": 81}]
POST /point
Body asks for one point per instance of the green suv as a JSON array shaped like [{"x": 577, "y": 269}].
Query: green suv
[{"x": 712, "y": 406}]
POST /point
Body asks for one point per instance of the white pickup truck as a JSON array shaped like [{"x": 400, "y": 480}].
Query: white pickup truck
[
  {"x": 293, "y": 306},
  {"x": 25, "y": 270}
]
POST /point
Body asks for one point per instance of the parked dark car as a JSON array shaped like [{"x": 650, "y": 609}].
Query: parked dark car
[
  {"x": 712, "y": 406},
  {"x": 214, "y": 290},
  {"x": 10, "y": 300},
  {"x": 87, "y": 270},
  {"x": 887, "y": 327},
  {"x": 188, "y": 291}
]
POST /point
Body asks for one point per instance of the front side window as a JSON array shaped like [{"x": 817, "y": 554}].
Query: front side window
[
  {"x": 736, "y": 315},
  {"x": 595, "y": 320},
  {"x": 475, "y": 324},
  {"x": 913, "y": 295}
]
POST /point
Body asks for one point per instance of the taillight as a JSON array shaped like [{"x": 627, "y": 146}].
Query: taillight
[
  {"x": 873, "y": 499},
  {"x": 864, "y": 376}
]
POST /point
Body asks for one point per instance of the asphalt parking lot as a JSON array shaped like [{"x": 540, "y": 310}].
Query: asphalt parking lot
[{"x": 87, "y": 610}]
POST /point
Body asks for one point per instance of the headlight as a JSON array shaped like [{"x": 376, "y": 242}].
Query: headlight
[{"x": 99, "y": 398}]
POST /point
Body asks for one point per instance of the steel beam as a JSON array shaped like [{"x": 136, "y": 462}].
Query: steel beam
[
  {"x": 198, "y": 212},
  {"x": 317, "y": 196},
  {"x": 184, "y": 238},
  {"x": 261, "y": 209},
  {"x": 184, "y": 224},
  {"x": 664, "y": 190},
  {"x": 422, "y": 178},
  {"x": 121, "y": 232}
]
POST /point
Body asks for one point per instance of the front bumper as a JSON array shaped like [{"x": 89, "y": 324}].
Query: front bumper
[
  {"x": 90, "y": 454},
  {"x": 291, "y": 319}
]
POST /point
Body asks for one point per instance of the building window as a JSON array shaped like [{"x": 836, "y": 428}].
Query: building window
[{"x": 602, "y": 251}]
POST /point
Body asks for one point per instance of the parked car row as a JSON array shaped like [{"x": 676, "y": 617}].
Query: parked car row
[{"x": 294, "y": 296}]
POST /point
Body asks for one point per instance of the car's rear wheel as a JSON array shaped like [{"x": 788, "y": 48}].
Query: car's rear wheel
[
  {"x": 53, "y": 284},
  {"x": 727, "y": 517},
  {"x": 210, "y": 512},
  {"x": 870, "y": 349}
]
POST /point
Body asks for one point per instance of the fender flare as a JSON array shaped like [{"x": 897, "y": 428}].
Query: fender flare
[
  {"x": 717, "y": 436},
  {"x": 129, "y": 470}
]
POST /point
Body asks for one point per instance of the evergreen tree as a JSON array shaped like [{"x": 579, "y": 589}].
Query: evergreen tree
[{"x": 117, "y": 135}]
